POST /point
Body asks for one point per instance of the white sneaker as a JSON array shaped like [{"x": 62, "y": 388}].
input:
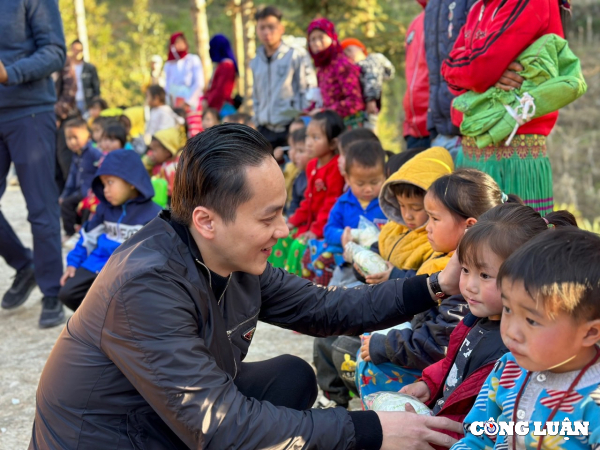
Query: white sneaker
[{"x": 70, "y": 243}]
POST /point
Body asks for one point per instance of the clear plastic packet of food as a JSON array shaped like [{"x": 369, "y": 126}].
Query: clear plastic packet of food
[
  {"x": 369, "y": 262},
  {"x": 366, "y": 234},
  {"x": 395, "y": 401}
]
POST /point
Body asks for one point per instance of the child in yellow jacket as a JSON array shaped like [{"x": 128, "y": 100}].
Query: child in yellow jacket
[{"x": 403, "y": 240}]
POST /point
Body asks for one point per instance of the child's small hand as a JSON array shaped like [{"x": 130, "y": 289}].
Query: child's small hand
[
  {"x": 380, "y": 277},
  {"x": 308, "y": 236},
  {"x": 278, "y": 153},
  {"x": 364, "y": 348},
  {"x": 419, "y": 390},
  {"x": 3, "y": 73},
  {"x": 69, "y": 273},
  {"x": 346, "y": 236},
  {"x": 372, "y": 107}
]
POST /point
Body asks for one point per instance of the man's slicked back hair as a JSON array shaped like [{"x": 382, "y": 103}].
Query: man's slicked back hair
[{"x": 212, "y": 171}]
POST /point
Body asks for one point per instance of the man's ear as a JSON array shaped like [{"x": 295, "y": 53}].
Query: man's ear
[
  {"x": 203, "y": 222},
  {"x": 593, "y": 333}
]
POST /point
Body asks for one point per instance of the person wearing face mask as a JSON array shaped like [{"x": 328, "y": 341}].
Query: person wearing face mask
[
  {"x": 184, "y": 74},
  {"x": 88, "y": 83}
]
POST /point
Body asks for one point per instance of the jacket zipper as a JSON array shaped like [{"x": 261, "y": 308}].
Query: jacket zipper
[
  {"x": 218, "y": 303},
  {"x": 452, "y": 400},
  {"x": 230, "y": 332}
]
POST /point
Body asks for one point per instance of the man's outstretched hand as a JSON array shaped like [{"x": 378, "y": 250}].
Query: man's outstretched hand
[
  {"x": 3, "y": 74},
  {"x": 407, "y": 430}
]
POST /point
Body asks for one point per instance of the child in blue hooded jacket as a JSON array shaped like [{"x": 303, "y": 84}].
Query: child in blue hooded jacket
[
  {"x": 125, "y": 192},
  {"x": 365, "y": 174}
]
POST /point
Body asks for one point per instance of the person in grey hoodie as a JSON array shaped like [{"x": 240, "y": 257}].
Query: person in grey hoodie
[
  {"x": 282, "y": 76},
  {"x": 32, "y": 48}
]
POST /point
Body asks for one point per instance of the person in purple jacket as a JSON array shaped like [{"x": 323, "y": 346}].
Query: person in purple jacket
[{"x": 32, "y": 48}]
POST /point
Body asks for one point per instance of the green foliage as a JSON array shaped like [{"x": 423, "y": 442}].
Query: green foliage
[
  {"x": 122, "y": 40},
  {"x": 123, "y": 34}
]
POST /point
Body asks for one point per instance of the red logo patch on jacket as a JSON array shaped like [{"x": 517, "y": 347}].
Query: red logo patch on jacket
[{"x": 248, "y": 335}]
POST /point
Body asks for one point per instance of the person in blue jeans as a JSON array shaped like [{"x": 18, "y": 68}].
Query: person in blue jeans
[{"x": 32, "y": 49}]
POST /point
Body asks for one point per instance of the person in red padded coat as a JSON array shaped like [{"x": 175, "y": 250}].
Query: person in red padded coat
[
  {"x": 485, "y": 55},
  {"x": 416, "y": 99},
  {"x": 222, "y": 82}
]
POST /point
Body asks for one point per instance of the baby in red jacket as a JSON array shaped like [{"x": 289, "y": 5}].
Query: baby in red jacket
[{"x": 450, "y": 386}]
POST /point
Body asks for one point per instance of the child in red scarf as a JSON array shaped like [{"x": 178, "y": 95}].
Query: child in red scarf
[{"x": 338, "y": 77}]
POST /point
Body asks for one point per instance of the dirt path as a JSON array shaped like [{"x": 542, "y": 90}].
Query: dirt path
[{"x": 24, "y": 348}]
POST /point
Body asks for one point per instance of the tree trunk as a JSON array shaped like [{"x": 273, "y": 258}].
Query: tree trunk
[
  {"x": 200, "y": 21},
  {"x": 238, "y": 43},
  {"x": 82, "y": 28},
  {"x": 249, "y": 28},
  {"x": 370, "y": 25}
]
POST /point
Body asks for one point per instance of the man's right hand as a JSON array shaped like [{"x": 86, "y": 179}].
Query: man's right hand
[
  {"x": 407, "y": 430},
  {"x": 69, "y": 273},
  {"x": 3, "y": 74}
]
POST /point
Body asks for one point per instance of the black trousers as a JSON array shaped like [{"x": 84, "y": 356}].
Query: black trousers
[
  {"x": 76, "y": 288},
  {"x": 29, "y": 142},
  {"x": 285, "y": 380},
  {"x": 335, "y": 360},
  {"x": 68, "y": 213}
]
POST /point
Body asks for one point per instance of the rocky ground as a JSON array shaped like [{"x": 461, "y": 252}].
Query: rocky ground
[{"x": 24, "y": 348}]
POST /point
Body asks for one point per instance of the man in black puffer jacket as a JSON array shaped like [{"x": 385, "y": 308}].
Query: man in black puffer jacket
[{"x": 153, "y": 357}]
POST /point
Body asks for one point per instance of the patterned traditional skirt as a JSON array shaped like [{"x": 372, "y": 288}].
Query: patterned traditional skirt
[
  {"x": 522, "y": 168},
  {"x": 355, "y": 120}
]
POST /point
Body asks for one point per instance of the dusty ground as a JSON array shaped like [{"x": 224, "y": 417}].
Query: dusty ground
[{"x": 24, "y": 348}]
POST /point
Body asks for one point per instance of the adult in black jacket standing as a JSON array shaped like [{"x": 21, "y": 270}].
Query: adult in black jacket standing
[
  {"x": 153, "y": 358},
  {"x": 88, "y": 83}
]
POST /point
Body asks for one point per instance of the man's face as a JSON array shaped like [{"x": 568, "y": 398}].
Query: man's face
[
  {"x": 269, "y": 31},
  {"x": 77, "y": 51},
  {"x": 246, "y": 243}
]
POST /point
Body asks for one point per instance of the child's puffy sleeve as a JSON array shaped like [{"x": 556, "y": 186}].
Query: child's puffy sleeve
[
  {"x": 349, "y": 98},
  {"x": 302, "y": 214},
  {"x": 335, "y": 187},
  {"x": 477, "y": 63},
  {"x": 335, "y": 225},
  {"x": 484, "y": 408},
  {"x": 88, "y": 239}
]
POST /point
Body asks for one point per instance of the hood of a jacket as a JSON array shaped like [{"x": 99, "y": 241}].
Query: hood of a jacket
[
  {"x": 173, "y": 139},
  {"x": 127, "y": 165},
  {"x": 422, "y": 170}
]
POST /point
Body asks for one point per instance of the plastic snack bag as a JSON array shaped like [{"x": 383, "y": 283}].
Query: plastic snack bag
[
  {"x": 366, "y": 234},
  {"x": 368, "y": 261},
  {"x": 395, "y": 401}
]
